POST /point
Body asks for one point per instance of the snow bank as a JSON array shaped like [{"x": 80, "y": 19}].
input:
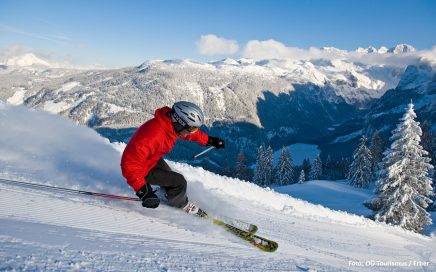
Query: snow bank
[{"x": 45, "y": 148}]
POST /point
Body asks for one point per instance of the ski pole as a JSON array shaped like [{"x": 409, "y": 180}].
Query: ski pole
[
  {"x": 202, "y": 152},
  {"x": 60, "y": 189}
]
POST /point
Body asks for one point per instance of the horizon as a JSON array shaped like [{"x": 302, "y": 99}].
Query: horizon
[{"x": 116, "y": 34}]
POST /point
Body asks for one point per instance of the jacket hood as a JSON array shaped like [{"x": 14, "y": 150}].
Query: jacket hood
[{"x": 164, "y": 120}]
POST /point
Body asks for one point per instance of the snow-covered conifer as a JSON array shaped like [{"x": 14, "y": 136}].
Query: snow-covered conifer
[
  {"x": 302, "y": 177},
  {"x": 316, "y": 170},
  {"x": 259, "y": 171},
  {"x": 284, "y": 171},
  {"x": 306, "y": 166},
  {"x": 268, "y": 174},
  {"x": 404, "y": 185},
  {"x": 360, "y": 171},
  {"x": 241, "y": 170}
]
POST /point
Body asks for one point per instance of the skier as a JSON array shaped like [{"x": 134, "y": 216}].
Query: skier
[{"x": 142, "y": 163}]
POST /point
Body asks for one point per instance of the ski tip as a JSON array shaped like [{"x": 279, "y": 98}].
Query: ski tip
[
  {"x": 264, "y": 244},
  {"x": 253, "y": 228}
]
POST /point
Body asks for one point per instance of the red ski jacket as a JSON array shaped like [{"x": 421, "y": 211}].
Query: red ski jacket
[{"x": 149, "y": 143}]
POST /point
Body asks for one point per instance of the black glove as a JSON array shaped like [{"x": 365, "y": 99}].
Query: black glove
[
  {"x": 216, "y": 142},
  {"x": 148, "y": 197}
]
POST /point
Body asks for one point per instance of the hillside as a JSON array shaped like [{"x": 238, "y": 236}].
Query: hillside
[{"x": 55, "y": 231}]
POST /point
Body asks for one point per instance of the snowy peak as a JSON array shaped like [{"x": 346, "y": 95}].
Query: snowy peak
[
  {"x": 334, "y": 50},
  {"x": 32, "y": 62},
  {"x": 246, "y": 62},
  {"x": 402, "y": 48},
  {"x": 371, "y": 49},
  {"x": 398, "y": 49},
  {"x": 226, "y": 61},
  {"x": 28, "y": 59}
]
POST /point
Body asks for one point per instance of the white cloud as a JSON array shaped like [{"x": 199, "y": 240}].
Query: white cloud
[
  {"x": 271, "y": 49},
  {"x": 13, "y": 51},
  {"x": 429, "y": 55},
  {"x": 213, "y": 45}
]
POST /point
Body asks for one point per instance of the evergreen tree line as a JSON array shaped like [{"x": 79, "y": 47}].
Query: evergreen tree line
[{"x": 284, "y": 172}]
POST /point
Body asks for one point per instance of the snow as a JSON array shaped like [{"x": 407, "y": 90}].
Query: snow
[
  {"x": 348, "y": 137},
  {"x": 55, "y": 108},
  {"x": 18, "y": 97},
  {"x": 402, "y": 48},
  {"x": 336, "y": 195},
  {"x": 68, "y": 86},
  {"x": 48, "y": 231},
  {"x": 27, "y": 59}
]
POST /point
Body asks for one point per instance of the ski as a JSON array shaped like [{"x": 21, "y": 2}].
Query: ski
[
  {"x": 262, "y": 243},
  {"x": 222, "y": 220}
]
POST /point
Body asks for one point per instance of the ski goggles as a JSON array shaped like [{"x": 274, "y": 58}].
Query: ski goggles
[
  {"x": 178, "y": 127},
  {"x": 192, "y": 129}
]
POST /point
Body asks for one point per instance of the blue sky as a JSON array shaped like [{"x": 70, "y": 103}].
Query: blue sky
[{"x": 121, "y": 33}]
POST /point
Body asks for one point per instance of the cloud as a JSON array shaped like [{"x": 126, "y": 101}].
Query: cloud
[
  {"x": 13, "y": 51},
  {"x": 271, "y": 49},
  {"x": 429, "y": 55},
  {"x": 213, "y": 45}
]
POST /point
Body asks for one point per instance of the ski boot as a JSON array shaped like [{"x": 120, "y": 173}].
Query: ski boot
[{"x": 191, "y": 208}]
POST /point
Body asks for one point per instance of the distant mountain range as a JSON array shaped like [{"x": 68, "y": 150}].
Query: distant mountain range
[{"x": 328, "y": 101}]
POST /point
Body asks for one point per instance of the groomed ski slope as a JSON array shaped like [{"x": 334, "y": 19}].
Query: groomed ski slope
[{"x": 47, "y": 231}]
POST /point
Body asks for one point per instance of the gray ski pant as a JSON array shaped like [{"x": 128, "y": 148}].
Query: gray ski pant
[{"x": 173, "y": 183}]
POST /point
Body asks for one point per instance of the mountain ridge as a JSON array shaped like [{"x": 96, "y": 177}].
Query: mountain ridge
[{"x": 313, "y": 101}]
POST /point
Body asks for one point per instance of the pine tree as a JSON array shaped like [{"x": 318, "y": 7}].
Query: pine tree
[
  {"x": 284, "y": 171},
  {"x": 360, "y": 172},
  {"x": 259, "y": 171},
  {"x": 306, "y": 167},
  {"x": 404, "y": 186},
  {"x": 241, "y": 170},
  {"x": 316, "y": 171},
  {"x": 327, "y": 168},
  {"x": 376, "y": 149},
  {"x": 268, "y": 174},
  {"x": 302, "y": 177}
]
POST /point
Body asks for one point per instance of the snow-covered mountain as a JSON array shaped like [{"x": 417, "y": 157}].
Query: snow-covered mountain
[
  {"x": 52, "y": 231},
  {"x": 27, "y": 59},
  {"x": 34, "y": 63},
  {"x": 418, "y": 85},
  {"x": 271, "y": 102},
  {"x": 398, "y": 49}
]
